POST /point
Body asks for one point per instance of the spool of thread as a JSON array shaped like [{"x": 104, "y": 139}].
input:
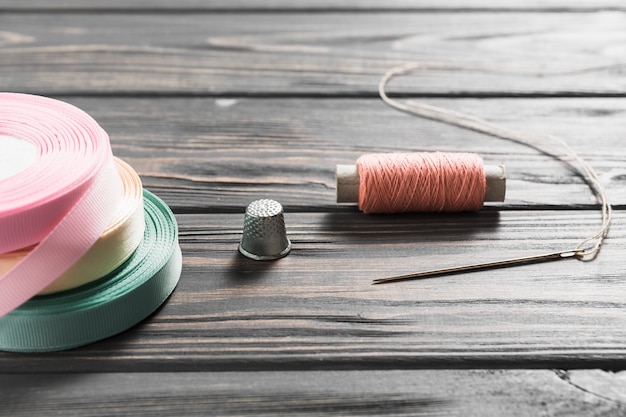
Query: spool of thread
[{"x": 420, "y": 182}]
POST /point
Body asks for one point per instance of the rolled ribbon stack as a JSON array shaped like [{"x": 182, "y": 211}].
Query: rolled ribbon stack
[{"x": 85, "y": 252}]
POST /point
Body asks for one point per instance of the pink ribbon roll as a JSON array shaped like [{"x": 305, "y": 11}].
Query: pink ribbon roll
[
  {"x": 62, "y": 202},
  {"x": 115, "y": 246}
]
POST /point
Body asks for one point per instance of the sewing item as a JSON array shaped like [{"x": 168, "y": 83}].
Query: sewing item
[
  {"x": 62, "y": 201},
  {"x": 105, "y": 307},
  {"x": 85, "y": 253},
  {"x": 115, "y": 245},
  {"x": 554, "y": 256},
  {"x": 586, "y": 249},
  {"x": 264, "y": 233},
  {"x": 420, "y": 182}
]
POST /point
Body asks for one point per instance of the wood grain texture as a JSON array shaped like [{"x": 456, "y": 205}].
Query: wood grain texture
[
  {"x": 313, "y": 54},
  {"x": 221, "y": 154},
  {"x": 390, "y": 393},
  {"x": 317, "y": 308},
  {"x": 274, "y": 6}
]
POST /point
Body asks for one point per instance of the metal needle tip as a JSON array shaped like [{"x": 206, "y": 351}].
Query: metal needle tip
[{"x": 554, "y": 256}]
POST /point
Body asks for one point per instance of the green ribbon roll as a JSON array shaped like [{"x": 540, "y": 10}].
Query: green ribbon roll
[{"x": 105, "y": 307}]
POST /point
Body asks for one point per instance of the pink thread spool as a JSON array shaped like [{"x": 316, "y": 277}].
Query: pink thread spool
[{"x": 420, "y": 182}]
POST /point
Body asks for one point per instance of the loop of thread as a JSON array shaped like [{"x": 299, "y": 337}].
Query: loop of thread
[
  {"x": 421, "y": 182},
  {"x": 587, "y": 248}
]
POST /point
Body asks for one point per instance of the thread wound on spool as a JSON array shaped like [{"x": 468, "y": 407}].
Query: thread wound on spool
[{"x": 421, "y": 182}]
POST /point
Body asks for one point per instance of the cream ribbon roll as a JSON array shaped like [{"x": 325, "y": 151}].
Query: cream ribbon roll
[
  {"x": 117, "y": 243},
  {"x": 62, "y": 201}
]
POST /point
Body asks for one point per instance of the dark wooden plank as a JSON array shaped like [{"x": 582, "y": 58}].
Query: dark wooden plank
[
  {"x": 216, "y": 155},
  {"x": 315, "y": 54},
  {"x": 308, "y": 5},
  {"x": 317, "y": 309},
  {"x": 390, "y": 393}
]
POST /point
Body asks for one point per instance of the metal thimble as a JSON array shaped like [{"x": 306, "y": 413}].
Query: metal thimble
[{"x": 264, "y": 234}]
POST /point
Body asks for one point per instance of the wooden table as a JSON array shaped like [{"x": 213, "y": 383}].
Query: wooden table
[{"x": 219, "y": 103}]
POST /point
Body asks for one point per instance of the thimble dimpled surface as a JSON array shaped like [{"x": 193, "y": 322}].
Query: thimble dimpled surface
[{"x": 264, "y": 235}]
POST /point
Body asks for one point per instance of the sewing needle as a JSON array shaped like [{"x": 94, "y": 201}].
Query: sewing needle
[{"x": 554, "y": 256}]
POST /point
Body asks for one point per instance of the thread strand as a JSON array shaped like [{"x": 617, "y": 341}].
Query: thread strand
[{"x": 586, "y": 249}]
